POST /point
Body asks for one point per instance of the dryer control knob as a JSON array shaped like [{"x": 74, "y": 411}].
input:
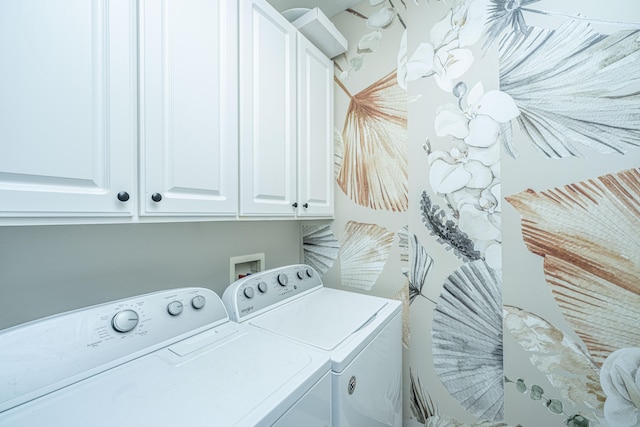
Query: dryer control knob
[
  {"x": 262, "y": 287},
  {"x": 125, "y": 320},
  {"x": 248, "y": 292},
  {"x": 283, "y": 279},
  {"x": 198, "y": 302},
  {"x": 174, "y": 308}
]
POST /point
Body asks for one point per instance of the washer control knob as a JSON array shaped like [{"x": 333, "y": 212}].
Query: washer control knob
[
  {"x": 301, "y": 275},
  {"x": 198, "y": 302},
  {"x": 309, "y": 272},
  {"x": 248, "y": 292},
  {"x": 262, "y": 287},
  {"x": 125, "y": 320},
  {"x": 174, "y": 308},
  {"x": 283, "y": 279}
]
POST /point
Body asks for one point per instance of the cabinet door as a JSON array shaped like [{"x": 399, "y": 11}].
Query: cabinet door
[
  {"x": 315, "y": 131},
  {"x": 67, "y": 108},
  {"x": 267, "y": 111},
  {"x": 188, "y": 134}
]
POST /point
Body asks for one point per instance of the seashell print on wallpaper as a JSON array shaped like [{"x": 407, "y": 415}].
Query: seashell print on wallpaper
[
  {"x": 374, "y": 169},
  {"x": 467, "y": 339},
  {"x": 364, "y": 251},
  {"x": 589, "y": 236},
  {"x": 320, "y": 247}
]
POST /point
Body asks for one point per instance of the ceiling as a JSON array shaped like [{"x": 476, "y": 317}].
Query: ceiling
[{"x": 329, "y": 7}]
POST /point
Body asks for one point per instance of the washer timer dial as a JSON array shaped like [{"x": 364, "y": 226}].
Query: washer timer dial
[
  {"x": 125, "y": 320},
  {"x": 283, "y": 279}
]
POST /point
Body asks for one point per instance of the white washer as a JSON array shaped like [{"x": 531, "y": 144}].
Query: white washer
[
  {"x": 361, "y": 333},
  {"x": 161, "y": 359}
]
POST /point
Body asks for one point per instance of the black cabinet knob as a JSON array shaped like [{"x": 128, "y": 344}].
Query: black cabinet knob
[
  {"x": 306, "y": 205},
  {"x": 156, "y": 197},
  {"x": 295, "y": 205},
  {"x": 123, "y": 196}
]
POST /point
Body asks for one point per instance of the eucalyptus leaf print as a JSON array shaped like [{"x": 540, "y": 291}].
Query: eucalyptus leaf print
[
  {"x": 374, "y": 170},
  {"x": 364, "y": 251},
  {"x": 569, "y": 368},
  {"x": 320, "y": 247},
  {"x": 589, "y": 236},
  {"x": 467, "y": 339},
  {"x": 574, "y": 86}
]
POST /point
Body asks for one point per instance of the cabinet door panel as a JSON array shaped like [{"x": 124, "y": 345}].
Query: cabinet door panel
[
  {"x": 67, "y": 107},
  {"x": 189, "y": 107},
  {"x": 315, "y": 131},
  {"x": 267, "y": 111}
]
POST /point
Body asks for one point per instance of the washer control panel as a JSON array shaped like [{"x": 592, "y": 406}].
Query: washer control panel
[
  {"x": 76, "y": 344},
  {"x": 253, "y": 294}
]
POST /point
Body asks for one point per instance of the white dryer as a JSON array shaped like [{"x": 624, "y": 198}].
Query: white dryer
[
  {"x": 361, "y": 333},
  {"x": 162, "y": 359}
]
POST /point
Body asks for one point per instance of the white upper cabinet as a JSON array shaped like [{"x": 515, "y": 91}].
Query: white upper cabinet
[
  {"x": 267, "y": 111},
  {"x": 286, "y": 118},
  {"x": 161, "y": 110},
  {"x": 188, "y": 107},
  {"x": 315, "y": 131},
  {"x": 67, "y": 108}
]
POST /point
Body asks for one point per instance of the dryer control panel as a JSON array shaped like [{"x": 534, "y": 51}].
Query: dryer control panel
[{"x": 254, "y": 294}]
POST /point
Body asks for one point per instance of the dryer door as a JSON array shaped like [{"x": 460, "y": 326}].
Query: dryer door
[{"x": 368, "y": 392}]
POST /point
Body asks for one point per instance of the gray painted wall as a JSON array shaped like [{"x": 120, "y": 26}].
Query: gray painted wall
[{"x": 50, "y": 269}]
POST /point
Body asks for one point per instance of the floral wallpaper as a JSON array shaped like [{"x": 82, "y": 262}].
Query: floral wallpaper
[{"x": 488, "y": 176}]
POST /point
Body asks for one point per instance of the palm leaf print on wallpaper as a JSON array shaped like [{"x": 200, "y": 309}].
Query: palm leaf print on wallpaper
[
  {"x": 487, "y": 81},
  {"x": 364, "y": 250},
  {"x": 574, "y": 86},
  {"x": 320, "y": 247},
  {"x": 374, "y": 169},
  {"x": 589, "y": 236},
  {"x": 467, "y": 339}
]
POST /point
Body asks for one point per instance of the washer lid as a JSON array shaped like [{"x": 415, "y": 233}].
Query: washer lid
[
  {"x": 323, "y": 319},
  {"x": 229, "y": 376}
]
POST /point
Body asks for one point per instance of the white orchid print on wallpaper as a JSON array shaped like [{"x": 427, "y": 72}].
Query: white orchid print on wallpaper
[
  {"x": 468, "y": 174},
  {"x": 446, "y": 56},
  {"x": 620, "y": 379}
]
